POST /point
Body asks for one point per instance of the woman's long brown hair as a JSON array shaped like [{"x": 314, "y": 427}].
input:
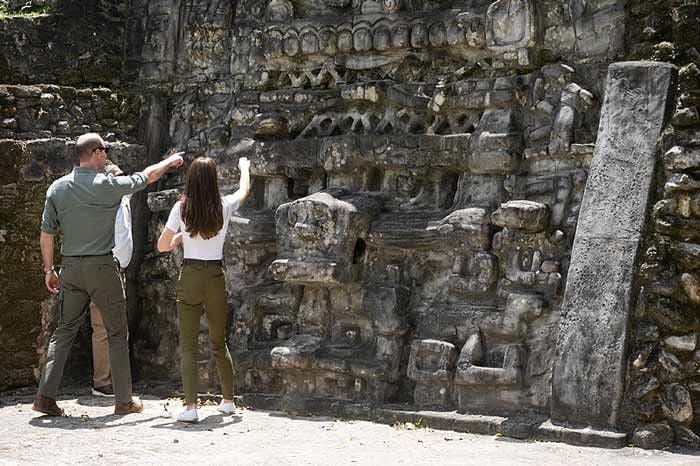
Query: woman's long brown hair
[{"x": 201, "y": 201}]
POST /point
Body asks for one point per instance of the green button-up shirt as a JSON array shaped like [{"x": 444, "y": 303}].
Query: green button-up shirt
[{"x": 83, "y": 205}]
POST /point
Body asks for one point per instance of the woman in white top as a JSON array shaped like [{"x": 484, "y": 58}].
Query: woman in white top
[{"x": 199, "y": 221}]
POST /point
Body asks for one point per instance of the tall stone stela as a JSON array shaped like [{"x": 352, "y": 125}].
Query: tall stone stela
[{"x": 589, "y": 369}]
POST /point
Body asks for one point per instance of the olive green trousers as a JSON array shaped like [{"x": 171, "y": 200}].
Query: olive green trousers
[
  {"x": 201, "y": 286},
  {"x": 84, "y": 279}
]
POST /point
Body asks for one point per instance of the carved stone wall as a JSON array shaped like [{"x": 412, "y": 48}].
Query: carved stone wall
[
  {"x": 418, "y": 171},
  {"x": 417, "y": 174}
]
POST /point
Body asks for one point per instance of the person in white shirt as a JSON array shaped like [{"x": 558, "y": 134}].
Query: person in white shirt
[
  {"x": 199, "y": 221},
  {"x": 123, "y": 249}
]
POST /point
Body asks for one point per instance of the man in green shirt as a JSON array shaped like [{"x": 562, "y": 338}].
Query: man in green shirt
[{"x": 83, "y": 205}]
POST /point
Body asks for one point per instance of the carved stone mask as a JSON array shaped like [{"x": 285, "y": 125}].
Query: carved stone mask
[{"x": 311, "y": 221}]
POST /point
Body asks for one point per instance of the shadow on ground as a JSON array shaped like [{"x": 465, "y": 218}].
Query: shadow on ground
[
  {"x": 209, "y": 423},
  {"x": 84, "y": 422}
]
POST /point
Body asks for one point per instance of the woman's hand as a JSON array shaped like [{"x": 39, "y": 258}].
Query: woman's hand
[
  {"x": 244, "y": 164},
  {"x": 176, "y": 241},
  {"x": 244, "y": 184},
  {"x": 168, "y": 240}
]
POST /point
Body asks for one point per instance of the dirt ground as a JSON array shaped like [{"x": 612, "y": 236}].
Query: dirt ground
[{"x": 90, "y": 434}]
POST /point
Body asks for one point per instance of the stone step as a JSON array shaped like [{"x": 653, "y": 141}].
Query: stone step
[{"x": 524, "y": 426}]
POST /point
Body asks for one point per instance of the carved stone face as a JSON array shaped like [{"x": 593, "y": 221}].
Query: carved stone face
[
  {"x": 345, "y": 40},
  {"x": 401, "y": 36},
  {"x": 280, "y": 10},
  {"x": 419, "y": 35},
  {"x": 291, "y": 45},
  {"x": 475, "y": 33},
  {"x": 406, "y": 184},
  {"x": 362, "y": 40},
  {"x": 327, "y": 41},
  {"x": 455, "y": 34},
  {"x": 509, "y": 21},
  {"x": 317, "y": 236},
  {"x": 274, "y": 44},
  {"x": 437, "y": 35},
  {"x": 309, "y": 43},
  {"x": 382, "y": 39},
  {"x": 311, "y": 221}
]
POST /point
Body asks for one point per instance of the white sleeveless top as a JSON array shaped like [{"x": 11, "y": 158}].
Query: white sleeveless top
[{"x": 198, "y": 247}]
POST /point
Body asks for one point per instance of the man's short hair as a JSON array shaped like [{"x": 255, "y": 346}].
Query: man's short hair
[{"x": 86, "y": 144}]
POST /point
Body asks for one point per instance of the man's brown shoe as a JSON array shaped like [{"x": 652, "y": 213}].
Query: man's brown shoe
[
  {"x": 47, "y": 406},
  {"x": 134, "y": 406}
]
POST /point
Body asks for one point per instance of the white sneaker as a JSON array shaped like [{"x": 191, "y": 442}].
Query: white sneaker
[
  {"x": 227, "y": 408},
  {"x": 188, "y": 415}
]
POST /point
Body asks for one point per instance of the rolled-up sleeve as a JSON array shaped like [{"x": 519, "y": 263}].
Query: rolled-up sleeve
[
  {"x": 126, "y": 184},
  {"x": 49, "y": 218}
]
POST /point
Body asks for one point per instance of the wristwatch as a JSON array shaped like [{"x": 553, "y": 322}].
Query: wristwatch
[{"x": 52, "y": 269}]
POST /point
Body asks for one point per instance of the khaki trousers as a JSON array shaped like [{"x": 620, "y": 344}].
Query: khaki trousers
[
  {"x": 85, "y": 279},
  {"x": 101, "y": 369},
  {"x": 200, "y": 286}
]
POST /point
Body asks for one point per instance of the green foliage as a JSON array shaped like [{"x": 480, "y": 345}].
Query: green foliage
[
  {"x": 690, "y": 76},
  {"x": 664, "y": 51},
  {"x": 28, "y": 9}
]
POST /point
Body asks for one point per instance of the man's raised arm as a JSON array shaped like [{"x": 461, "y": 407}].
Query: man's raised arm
[{"x": 155, "y": 171}]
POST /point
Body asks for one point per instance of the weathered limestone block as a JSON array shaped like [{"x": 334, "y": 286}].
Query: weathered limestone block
[
  {"x": 497, "y": 145},
  {"x": 691, "y": 287},
  {"x": 321, "y": 236},
  {"x": 644, "y": 386},
  {"x": 524, "y": 215},
  {"x": 468, "y": 229},
  {"x": 510, "y": 23},
  {"x": 682, "y": 342},
  {"x": 160, "y": 201},
  {"x": 598, "y": 298},
  {"x": 521, "y": 309},
  {"x": 489, "y": 379},
  {"x": 431, "y": 365},
  {"x": 676, "y": 403},
  {"x": 686, "y": 437},
  {"x": 679, "y": 158},
  {"x": 474, "y": 274},
  {"x": 652, "y": 436},
  {"x": 686, "y": 117},
  {"x": 671, "y": 366},
  {"x": 522, "y": 256},
  {"x": 471, "y": 370},
  {"x": 297, "y": 353}
]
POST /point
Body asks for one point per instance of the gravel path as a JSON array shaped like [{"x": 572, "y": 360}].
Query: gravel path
[{"x": 91, "y": 435}]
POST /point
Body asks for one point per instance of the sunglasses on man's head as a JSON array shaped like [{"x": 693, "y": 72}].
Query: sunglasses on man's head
[{"x": 105, "y": 149}]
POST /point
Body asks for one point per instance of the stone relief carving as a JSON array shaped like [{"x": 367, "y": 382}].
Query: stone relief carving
[{"x": 402, "y": 228}]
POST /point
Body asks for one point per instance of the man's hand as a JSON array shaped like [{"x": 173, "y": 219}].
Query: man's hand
[
  {"x": 53, "y": 283},
  {"x": 244, "y": 164},
  {"x": 176, "y": 159},
  {"x": 154, "y": 172}
]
